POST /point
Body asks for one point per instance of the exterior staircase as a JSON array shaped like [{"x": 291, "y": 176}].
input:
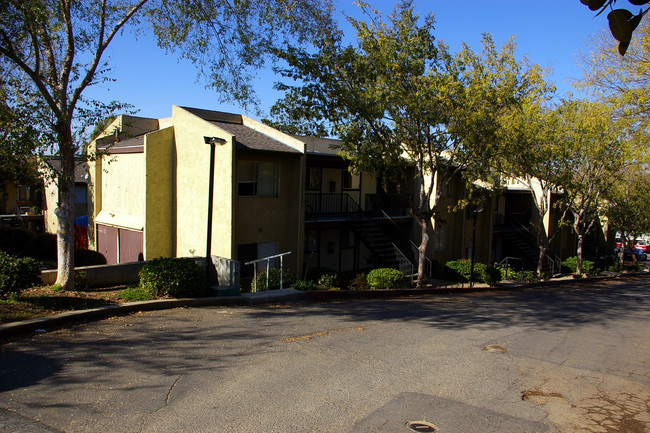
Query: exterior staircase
[
  {"x": 525, "y": 249},
  {"x": 384, "y": 251}
]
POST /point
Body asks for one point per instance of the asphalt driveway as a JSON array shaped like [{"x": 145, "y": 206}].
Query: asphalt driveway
[{"x": 536, "y": 360}]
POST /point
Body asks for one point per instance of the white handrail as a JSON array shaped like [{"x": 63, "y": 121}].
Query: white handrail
[{"x": 268, "y": 262}]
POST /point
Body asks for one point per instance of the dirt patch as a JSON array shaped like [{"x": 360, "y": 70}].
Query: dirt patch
[{"x": 43, "y": 301}]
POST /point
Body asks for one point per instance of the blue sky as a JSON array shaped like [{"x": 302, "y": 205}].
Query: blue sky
[{"x": 548, "y": 32}]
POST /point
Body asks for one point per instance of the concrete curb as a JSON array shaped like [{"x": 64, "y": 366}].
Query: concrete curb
[{"x": 272, "y": 296}]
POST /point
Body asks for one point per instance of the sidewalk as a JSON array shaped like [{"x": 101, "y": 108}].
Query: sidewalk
[{"x": 43, "y": 324}]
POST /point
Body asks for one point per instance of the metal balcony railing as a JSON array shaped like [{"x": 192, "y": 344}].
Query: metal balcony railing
[{"x": 330, "y": 203}]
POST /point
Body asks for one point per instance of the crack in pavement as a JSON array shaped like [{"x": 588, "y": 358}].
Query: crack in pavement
[
  {"x": 169, "y": 392},
  {"x": 307, "y": 337},
  {"x": 13, "y": 412}
]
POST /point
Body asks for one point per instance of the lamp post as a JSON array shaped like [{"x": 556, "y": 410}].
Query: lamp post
[
  {"x": 212, "y": 141},
  {"x": 475, "y": 212}
]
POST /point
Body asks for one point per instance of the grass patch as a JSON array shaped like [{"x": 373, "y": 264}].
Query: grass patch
[{"x": 134, "y": 294}]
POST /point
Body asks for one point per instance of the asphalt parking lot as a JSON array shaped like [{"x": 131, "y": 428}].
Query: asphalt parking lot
[{"x": 550, "y": 359}]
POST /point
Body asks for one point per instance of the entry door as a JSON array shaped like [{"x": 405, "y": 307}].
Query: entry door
[{"x": 266, "y": 249}]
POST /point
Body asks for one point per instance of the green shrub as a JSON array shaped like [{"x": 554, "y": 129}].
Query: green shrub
[
  {"x": 83, "y": 257},
  {"x": 328, "y": 282},
  {"x": 314, "y": 274},
  {"x": 571, "y": 265},
  {"x": 304, "y": 285},
  {"x": 17, "y": 273},
  {"x": 515, "y": 275},
  {"x": 13, "y": 240},
  {"x": 491, "y": 275},
  {"x": 359, "y": 282},
  {"x": 461, "y": 268},
  {"x": 274, "y": 279},
  {"x": 135, "y": 294},
  {"x": 174, "y": 277},
  {"x": 385, "y": 278}
]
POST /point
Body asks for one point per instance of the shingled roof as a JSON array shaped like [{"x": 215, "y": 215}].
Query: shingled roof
[
  {"x": 322, "y": 146},
  {"x": 246, "y": 138}
]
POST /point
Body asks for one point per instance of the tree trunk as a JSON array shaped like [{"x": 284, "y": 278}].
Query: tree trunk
[
  {"x": 65, "y": 211},
  {"x": 422, "y": 250},
  {"x": 541, "y": 243},
  {"x": 579, "y": 255}
]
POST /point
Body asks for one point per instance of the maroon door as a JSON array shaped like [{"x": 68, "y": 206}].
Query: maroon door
[
  {"x": 130, "y": 246},
  {"x": 107, "y": 243}
]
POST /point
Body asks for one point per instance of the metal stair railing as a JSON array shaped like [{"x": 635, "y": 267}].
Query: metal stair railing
[
  {"x": 428, "y": 267},
  {"x": 268, "y": 266},
  {"x": 554, "y": 262},
  {"x": 404, "y": 265},
  {"x": 507, "y": 263}
]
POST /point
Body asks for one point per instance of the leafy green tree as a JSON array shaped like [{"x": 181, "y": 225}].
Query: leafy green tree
[
  {"x": 622, "y": 22},
  {"x": 534, "y": 132},
  {"x": 621, "y": 82},
  {"x": 626, "y": 199},
  {"x": 594, "y": 155},
  {"x": 400, "y": 99},
  {"x": 51, "y": 51},
  {"x": 18, "y": 142}
]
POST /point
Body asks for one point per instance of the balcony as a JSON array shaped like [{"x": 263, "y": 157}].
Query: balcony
[
  {"x": 341, "y": 206},
  {"x": 331, "y": 206}
]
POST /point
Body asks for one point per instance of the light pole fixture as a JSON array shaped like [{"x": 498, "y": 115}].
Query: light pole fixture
[
  {"x": 212, "y": 141},
  {"x": 475, "y": 211}
]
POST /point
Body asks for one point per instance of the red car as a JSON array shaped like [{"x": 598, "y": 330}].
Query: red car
[{"x": 642, "y": 245}]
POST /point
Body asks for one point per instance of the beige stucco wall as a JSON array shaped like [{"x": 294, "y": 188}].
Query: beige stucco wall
[
  {"x": 331, "y": 175},
  {"x": 122, "y": 185},
  {"x": 192, "y": 175},
  {"x": 95, "y": 195},
  {"x": 159, "y": 212},
  {"x": 368, "y": 186}
]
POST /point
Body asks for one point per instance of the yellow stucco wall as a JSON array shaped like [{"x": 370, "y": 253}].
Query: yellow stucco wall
[
  {"x": 192, "y": 175},
  {"x": 274, "y": 219},
  {"x": 159, "y": 232}
]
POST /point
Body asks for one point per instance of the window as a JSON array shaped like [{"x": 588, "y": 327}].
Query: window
[
  {"x": 441, "y": 235},
  {"x": 351, "y": 181},
  {"x": 313, "y": 178},
  {"x": 257, "y": 179}
]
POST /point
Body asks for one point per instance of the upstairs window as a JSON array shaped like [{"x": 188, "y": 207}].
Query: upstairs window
[
  {"x": 258, "y": 179},
  {"x": 313, "y": 178}
]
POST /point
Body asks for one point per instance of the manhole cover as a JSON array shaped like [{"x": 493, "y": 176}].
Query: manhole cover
[{"x": 421, "y": 426}]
